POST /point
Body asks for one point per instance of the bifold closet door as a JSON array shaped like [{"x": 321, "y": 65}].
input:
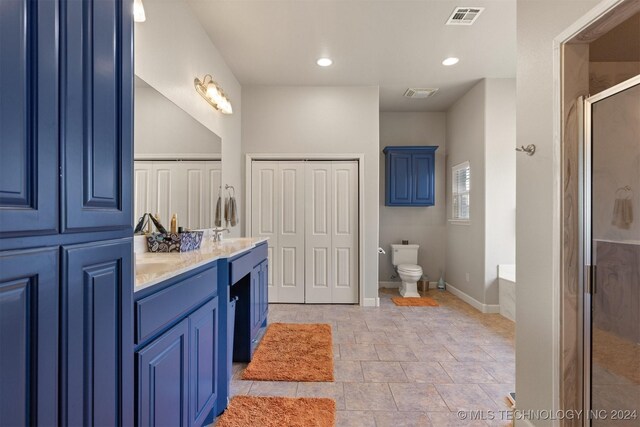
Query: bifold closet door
[
  {"x": 331, "y": 234},
  {"x": 277, "y": 203}
]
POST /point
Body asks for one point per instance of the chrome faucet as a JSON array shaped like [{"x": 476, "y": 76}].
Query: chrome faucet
[{"x": 217, "y": 233}]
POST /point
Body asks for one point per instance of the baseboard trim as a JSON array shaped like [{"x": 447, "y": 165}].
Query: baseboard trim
[
  {"x": 371, "y": 302},
  {"x": 396, "y": 285},
  {"x": 484, "y": 308}
]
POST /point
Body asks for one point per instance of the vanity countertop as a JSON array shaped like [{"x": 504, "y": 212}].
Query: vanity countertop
[{"x": 153, "y": 268}]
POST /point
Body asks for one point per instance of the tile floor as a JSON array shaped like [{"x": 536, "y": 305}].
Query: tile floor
[{"x": 405, "y": 366}]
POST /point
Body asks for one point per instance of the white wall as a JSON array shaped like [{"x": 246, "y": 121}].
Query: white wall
[
  {"x": 481, "y": 130},
  {"x": 161, "y": 127},
  {"x": 537, "y": 376},
  {"x": 301, "y": 120},
  {"x": 465, "y": 242},
  {"x": 425, "y": 226},
  {"x": 500, "y": 181},
  {"x": 171, "y": 49}
]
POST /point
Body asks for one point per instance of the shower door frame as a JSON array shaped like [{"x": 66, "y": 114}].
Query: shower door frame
[{"x": 587, "y": 277}]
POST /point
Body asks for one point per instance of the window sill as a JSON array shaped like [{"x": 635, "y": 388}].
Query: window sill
[{"x": 460, "y": 222}]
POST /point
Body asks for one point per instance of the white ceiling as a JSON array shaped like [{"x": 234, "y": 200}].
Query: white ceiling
[{"x": 394, "y": 44}]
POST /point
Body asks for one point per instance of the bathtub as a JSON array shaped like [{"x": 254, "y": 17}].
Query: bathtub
[{"x": 507, "y": 290}]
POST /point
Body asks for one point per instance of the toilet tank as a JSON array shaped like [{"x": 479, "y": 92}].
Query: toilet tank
[{"x": 404, "y": 254}]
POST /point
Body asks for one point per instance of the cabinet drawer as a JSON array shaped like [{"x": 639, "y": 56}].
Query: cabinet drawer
[
  {"x": 240, "y": 267},
  {"x": 158, "y": 310}
]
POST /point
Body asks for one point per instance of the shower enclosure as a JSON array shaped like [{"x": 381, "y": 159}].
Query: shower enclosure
[{"x": 611, "y": 256}]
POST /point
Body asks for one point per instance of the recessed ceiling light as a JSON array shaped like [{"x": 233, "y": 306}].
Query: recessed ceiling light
[
  {"x": 324, "y": 62},
  {"x": 450, "y": 61}
]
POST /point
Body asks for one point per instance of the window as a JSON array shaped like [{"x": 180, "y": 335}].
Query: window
[{"x": 461, "y": 177}]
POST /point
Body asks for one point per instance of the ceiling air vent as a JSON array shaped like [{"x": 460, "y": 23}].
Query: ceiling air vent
[
  {"x": 420, "y": 92},
  {"x": 464, "y": 15}
]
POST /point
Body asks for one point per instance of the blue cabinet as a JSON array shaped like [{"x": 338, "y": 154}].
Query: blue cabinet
[
  {"x": 29, "y": 291},
  {"x": 97, "y": 77},
  {"x": 162, "y": 392},
  {"x": 29, "y": 117},
  {"x": 410, "y": 175},
  {"x": 65, "y": 187},
  {"x": 178, "y": 345},
  {"x": 203, "y": 367},
  {"x": 97, "y": 333}
]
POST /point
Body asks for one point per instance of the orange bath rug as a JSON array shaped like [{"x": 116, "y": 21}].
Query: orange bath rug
[
  {"x": 293, "y": 352},
  {"x": 415, "y": 302},
  {"x": 244, "y": 411}
]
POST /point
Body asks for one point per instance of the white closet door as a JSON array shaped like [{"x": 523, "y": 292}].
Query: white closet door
[
  {"x": 164, "y": 177},
  {"x": 344, "y": 241},
  {"x": 192, "y": 214},
  {"x": 291, "y": 245},
  {"x": 318, "y": 233},
  {"x": 309, "y": 212},
  {"x": 213, "y": 173},
  {"x": 264, "y": 216},
  {"x": 142, "y": 189}
]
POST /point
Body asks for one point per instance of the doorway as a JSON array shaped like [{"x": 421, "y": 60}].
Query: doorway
[
  {"x": 612, "y": 255},
  {"x": 309, "y": 210}
]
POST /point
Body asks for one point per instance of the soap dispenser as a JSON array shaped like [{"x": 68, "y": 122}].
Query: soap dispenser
[{"x": 174, "y": 224}]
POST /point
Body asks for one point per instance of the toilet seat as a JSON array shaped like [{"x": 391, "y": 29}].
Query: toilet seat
[{"x": 409, "y": 268}]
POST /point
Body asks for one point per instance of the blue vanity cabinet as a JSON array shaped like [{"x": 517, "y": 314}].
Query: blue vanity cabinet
[
  {"x": 263, "y": 293},
  {"x": 29, "y": 292},
  {"x": 97, "y": 334},
  {"x": 97, "y": 77},
  {"x": 177, "y": 355},
  {"x": 29, "y": 117},
  {"x": 410, "y": 175},
  {"x": 203, "y": 367},
  {"x": 163, "y": 386}
]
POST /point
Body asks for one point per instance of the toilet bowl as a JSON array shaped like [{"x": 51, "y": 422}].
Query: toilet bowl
[
  {"x": 405, "y": 261},
  {"x": 409, "y": 274}
]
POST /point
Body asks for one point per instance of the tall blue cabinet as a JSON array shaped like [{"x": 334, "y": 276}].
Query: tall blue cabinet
[
  {"x": 65, "y": 212},
  {"x": 410, "y": 175}
]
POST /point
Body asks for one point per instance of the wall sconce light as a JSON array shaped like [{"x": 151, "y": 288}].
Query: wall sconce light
[
  {"x": 213, "y": 94},
  {"x": 138, "y": 11}
]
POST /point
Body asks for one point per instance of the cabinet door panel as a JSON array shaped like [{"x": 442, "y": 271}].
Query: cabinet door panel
[
  {"x": 264, "y": 289},
  {"x": 28, "y": 117},
  {"x": 29, "y": 338},
  {"x": 399, "y": 182},
  {"x": 162, "y": 379},
  {"x": 423, "y": 176},
  {"x": 203, "y": 326},
  {"x": 255, "y": 300},
  {"x": 97, "y": 98},
  {"x": 97, "y": 306}
]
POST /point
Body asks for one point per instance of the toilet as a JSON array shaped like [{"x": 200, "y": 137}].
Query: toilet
[{"x": 405, "y": 260}]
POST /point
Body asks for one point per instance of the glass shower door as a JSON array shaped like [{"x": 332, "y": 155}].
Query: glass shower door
[{"x": 613, "y": 321}]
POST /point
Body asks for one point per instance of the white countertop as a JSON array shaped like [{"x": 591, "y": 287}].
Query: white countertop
[{"x": 153, "y": 268}]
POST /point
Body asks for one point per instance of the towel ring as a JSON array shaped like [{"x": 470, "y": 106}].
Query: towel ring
[
  {"x": 228, "y": 187},
  {"x": 627, "y": 191}
]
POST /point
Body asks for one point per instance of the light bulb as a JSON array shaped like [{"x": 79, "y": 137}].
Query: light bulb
[{"x": 138, "y": 11}]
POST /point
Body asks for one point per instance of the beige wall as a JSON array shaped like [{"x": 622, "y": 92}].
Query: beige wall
[
  {"x": 537, "y": 376},
  {"x": 321, "y": 120},
  {"x": 171, "y": 49},
  {"x": 465, "y": 242},
  {"x": 481, "y": 130},
  {"x": 425, "y": 226}
]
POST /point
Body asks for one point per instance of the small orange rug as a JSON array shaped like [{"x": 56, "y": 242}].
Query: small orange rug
[
  {"x": 415, "y": 302},
  {"x": 293, "y": 352},
  {"x": 244, "y": 411}
]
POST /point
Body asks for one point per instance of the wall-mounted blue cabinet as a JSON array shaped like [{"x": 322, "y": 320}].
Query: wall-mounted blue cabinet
[{"x": 410, "y": 175}]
